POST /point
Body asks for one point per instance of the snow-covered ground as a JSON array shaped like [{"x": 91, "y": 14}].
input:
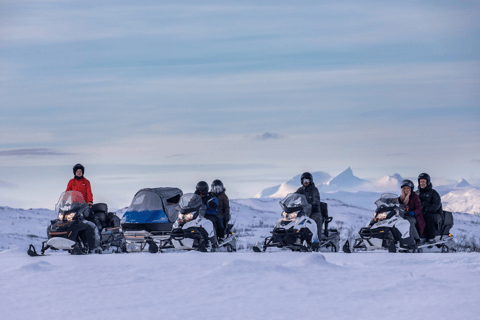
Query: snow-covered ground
[{"x": 242, "y": 285}]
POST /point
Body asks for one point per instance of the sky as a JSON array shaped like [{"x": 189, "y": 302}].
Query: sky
[{"x": 168, "y": 93}]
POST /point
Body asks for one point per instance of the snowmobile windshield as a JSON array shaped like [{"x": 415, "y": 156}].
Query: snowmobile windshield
[
  {"x": 70, "y": 201},
  {"x": 146, "y": 201},
  {"x": 294, "y": 202},
  {"x": 189, "y": 202},
  {"x": 387, "y": 202}
]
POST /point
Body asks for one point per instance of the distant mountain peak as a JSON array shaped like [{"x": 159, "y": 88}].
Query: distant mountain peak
[
  {"x": 462, "y": 183},
  {"x": 346, "y": 179}
]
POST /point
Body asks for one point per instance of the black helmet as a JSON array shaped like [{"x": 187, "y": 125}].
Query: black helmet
[
  {"x": 202, "y": 187},
  {"x": 306, "y": 175},
  {"x": 424, "y": 176},
  {"x": 407, "y": 183},
  {"x": 78, "y": 166},
  {"x": 217, "y": 186}
]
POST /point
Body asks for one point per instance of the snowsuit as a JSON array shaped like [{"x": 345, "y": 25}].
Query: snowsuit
[
  {"x": 417, "y": 222},
  {"x": 211, "y": 202},
  {"x": 223, "y": 209},
  {"x": 432, "y": 209},
  {"x": 81, "y": 185},
  {"x": 313, "y": 197}
]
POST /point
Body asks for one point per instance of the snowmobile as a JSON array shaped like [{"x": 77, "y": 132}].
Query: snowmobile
[
  {"x": 192, "y": 231},
  {"x": 389, "y": 230},
  {"x": 443, "y": 237},
  {"x": 150, "y": 217},
  {"x": 76, "y": 231},
  {"x": 296, "y": 231}
]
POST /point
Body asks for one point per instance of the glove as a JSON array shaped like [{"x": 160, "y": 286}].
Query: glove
[{"x": 411, "y": 213}]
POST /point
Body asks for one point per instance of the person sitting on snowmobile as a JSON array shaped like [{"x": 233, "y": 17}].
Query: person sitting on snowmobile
[
  {"x": 413, "y": 207},
  {"x": 81, "y": 184},
  {"x": 312, "y": 195},
  {"x": 223, "y": 209},
  {"x": 431, "y": 205},
  {"x": 211, "y": 202}
]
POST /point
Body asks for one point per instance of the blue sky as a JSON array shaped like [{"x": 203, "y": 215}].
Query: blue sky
[{"x": 167, "y": 93}]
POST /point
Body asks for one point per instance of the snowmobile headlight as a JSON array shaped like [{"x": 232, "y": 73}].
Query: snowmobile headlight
[
  {"x": 70, "y": 216},
  {"x": 60, "y": 216},
  {"x": 289, "y": 216},
  {"x": 184, "y": 217},
  {"x": 381, "y": 216},
  {"x": 292, "y": 216}
]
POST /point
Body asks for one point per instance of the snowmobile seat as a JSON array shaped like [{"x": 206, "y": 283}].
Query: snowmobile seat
[
  {"x": 443, "y": 226},
  {"x": 97, "y": 207},
  {"x": 324, "y": 209}
]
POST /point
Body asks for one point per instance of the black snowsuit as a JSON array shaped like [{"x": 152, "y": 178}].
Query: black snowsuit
[
  {"x": 313, "y": 197},
  {"x": 432, "y": 209},
  {"x": 223, "y": 209},
  {"x": 211, "y": 202}
]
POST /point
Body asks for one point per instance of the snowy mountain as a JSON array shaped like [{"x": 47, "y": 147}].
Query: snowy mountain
[
  {"x": 279, "y": 191},
  {"x": 324, "y": 182},
  {"x": 345, "y": 181},
  {"x": 389, "y": 183},
  {"x": 462, "y": 183},
  {"x": 464, "y": 200}
]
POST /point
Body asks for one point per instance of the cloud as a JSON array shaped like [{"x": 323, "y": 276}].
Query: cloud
[
  {"x": 476, "y": 161},
  {"x": 5, "y": 184},
  {"x": 178, "y": 155},
  {"x": 396, "y": 154},
  {"x": 267, "y": 136},
  {"x": 32, "y": 152}
]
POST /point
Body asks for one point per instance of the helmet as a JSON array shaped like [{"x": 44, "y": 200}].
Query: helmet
[
  {"x": 217, "y": 186},
  {"x": 424, "y": 176},
  {"x": 306, "y": 175},
  {"x": 78, "y": 166},
  {"x": 202, "y": 187},
  {"x": 407, "y": 183}
]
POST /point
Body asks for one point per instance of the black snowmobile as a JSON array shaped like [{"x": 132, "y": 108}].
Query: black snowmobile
[
  {"x": 389, "y": 230},
  {"x": 296, "y": 231},
  {"x": 192, "y": 231},
  {"x": 80, "y": 229}
]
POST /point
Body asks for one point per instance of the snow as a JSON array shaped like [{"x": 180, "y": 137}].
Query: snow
[
  {"x": 243, "y": 285},
  {"x": 463, "y": 200},
  {"x": 281, "y": 285}
]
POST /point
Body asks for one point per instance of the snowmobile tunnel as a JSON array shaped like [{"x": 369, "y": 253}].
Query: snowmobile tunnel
[{"x": 152, "y": 209}]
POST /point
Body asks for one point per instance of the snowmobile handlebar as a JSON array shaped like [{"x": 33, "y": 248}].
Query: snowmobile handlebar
[{"x": 365, "y": 233}]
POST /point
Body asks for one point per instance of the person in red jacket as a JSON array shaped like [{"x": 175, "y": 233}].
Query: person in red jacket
[
  {"x": 81, "y": 184},
  {"x": 413, "y": 206}
]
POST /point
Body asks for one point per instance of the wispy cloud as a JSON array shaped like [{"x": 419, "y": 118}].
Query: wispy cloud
[
  {"x": 5, "y": 184},
  {"x": 178, "y": 155},
  {"x": 476, "y": 161},
  {"x": 396, "y": 154},
  {"x": 32, "y": 152},
  {"x": 268, "y": 136}
]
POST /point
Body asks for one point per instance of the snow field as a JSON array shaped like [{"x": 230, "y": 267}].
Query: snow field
[{"x": 282, "y": 285}]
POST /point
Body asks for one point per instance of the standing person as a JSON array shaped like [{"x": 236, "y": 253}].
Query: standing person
[
  {"x": 223, "y": 208},
  {"x": 413, "y": 206},
  {"x": 81, "y": 184},
  {"x": 211, "y": 202},
  {"x": 310, "y": 192},
  {"x": 431, "y": 205}
]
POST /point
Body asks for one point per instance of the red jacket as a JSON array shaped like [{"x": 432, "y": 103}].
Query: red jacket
[
  {"x": 414, "y": 204},
  {"x": 82, "y": 185}
]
